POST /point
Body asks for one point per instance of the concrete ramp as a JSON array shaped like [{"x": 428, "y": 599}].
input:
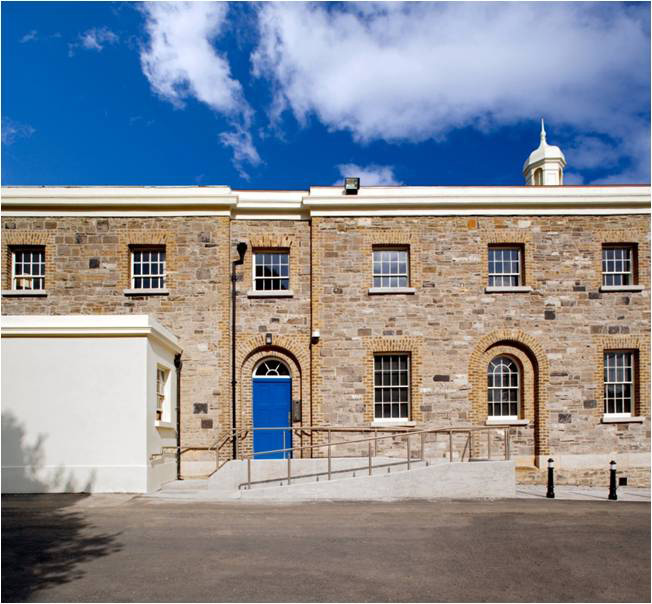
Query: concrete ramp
[{"x": 459, "y": 480}]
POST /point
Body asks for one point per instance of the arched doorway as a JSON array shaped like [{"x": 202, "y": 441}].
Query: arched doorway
[{"x": 272, "y": 408}]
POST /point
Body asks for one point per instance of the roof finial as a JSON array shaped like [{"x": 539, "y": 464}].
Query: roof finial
[{"x": 543, "y": 132}]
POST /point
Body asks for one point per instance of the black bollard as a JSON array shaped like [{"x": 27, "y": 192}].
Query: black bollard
[
  {"x": 612, "y": 481},
  {"x": 550, "y": 493}
]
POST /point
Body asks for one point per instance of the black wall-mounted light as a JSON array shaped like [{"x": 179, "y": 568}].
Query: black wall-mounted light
[
  {"x": 351, "y": 185},
  {"x": 242, "y": 250},
  {"x": 268, "y": 339}
]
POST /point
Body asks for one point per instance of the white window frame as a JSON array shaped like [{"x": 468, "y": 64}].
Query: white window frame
[
  {"x": 162, "y": 412},
  {"x": 407, "y": 387},
  {"x": 279, "y": 279},
  {"x": 271, "y": 375},
  {"x": 491, "y": 404},
  {"x": 162, "y": 276},
  {"x": 630, "y": 259},
  {"x": 520, "y": 281},
  {"x": 397, "y": 275},
  {"x": 631, "y": 383},
  {"x": 31, "y": 277}
]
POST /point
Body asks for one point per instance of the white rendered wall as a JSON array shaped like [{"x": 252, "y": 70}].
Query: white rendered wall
[
  {"x": 79, "y": 410},
  {"x": 161, "y": 434}
]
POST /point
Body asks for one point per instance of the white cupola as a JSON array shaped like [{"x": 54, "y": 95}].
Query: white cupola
[{"x": 546, "y": 164}]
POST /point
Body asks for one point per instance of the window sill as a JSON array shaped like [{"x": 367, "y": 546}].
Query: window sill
[
  {"x": 507, "y": 422},
  {"x": 621, "y": 288},
  {"x": 146, "y": 292},
  {"x": 514, "y": 289},
  {"x": 25, "y": 292},
  {"x": 391, "y": 290},
  {"x": 167, "y": 425},
  {"x": 377, "y": 423},
  {"x": 623, "y": 419},
  {"x": 285, "y": 293}
]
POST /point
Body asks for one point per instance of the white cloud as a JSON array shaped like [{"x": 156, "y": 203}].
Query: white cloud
[
  {"x": 180, "y": 61},
  {"x": 11, "y": 130},
  {"x": 416, "y": 71},
  {"x": 29, "y": 36},
  {"x": 371, "y": 175},
  {"x": 95, "y": 38}
]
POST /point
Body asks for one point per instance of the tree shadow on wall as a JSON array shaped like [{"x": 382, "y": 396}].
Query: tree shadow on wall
[{"x": 44, "y": 538}]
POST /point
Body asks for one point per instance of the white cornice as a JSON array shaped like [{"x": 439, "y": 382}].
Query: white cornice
[
  {"x": 324, "y": 201},
  {"x": 13, "y": 326}
]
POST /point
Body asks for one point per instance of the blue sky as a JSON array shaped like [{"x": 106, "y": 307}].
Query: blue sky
[{"x": 285, "y": 96}]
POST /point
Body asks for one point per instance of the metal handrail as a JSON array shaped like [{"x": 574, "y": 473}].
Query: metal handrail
[
  {"x": 408, "y": 434},
  {"x": 239, "y": 434}
]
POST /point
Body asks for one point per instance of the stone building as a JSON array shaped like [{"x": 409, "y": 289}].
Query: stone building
[{"x": 521, "y": 306}]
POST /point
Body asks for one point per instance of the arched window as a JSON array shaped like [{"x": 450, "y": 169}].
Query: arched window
[
  {"x": 503, "y": 388},
  {"x": 272, "y": 368},
  {"x": 538, "y": 177}
]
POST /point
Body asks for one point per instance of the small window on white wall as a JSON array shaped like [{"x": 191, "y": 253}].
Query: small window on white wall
[{"x": 162, "y": 398}]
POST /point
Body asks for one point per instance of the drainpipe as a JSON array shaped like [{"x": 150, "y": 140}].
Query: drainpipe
[
  {"x": 178, "y": 364},
  {"x": 242, "y": 250}
]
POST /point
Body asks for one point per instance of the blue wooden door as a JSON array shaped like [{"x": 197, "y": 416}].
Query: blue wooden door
[{"x": 272, "y": 401}]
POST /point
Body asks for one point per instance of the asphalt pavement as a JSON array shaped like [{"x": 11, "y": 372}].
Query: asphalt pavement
[{"x": 123, "y": 548}]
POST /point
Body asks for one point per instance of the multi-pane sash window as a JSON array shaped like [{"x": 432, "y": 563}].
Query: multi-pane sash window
[
  {"x": 148, "y": 268},
  {"x": 618, "y": 382},
  {"x": 392, "y": 386},
  {"x": 503, "y": 388},
  {"x": 617, "y": 265},
  {"x": 271, "y": 271},
  {"x": 505, "y": 266},
  {"x": 391, "y": 268},
  {"x": 161, "y": 376},
  {"x": 28, "y": 268}
]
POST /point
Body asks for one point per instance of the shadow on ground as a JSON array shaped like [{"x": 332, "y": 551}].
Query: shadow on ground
[{"x": 44, "y": 538}]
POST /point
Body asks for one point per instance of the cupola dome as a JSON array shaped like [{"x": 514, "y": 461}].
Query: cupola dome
[{"x": 546, "y": 164}]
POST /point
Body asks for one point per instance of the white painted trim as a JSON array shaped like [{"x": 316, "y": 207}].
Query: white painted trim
[
  {"x": 506, "y": 422},
  {"x": 475, "y": 211},
  {"x": 378, "y": 423},
  {"x": 391, "y": 290},
  {"x": 621, "y": 419},
  {"x": 13, "y": 326},
  {"x": 325, "y": 201},
  {"x": 513, "y": 289},
  {"x": 621, "y": 288},
  {"x": 272, "y": 293},
  {"x": 131, "y": 212},
  {"x": 146, "y": 292},
  {"x": 164, "y": 425},
  {"x": 25, "y": 292}
]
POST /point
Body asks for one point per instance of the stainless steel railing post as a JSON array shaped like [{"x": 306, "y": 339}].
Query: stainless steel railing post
[
  {"x": 407, "y": 438},
  {"x": 249, "y": 472},
  {"x": 450, "y": 446},
  {"x": 289, "y": 469},
  {"x": 423, "y": 445},
  {"x": 369, "y": 450}
]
